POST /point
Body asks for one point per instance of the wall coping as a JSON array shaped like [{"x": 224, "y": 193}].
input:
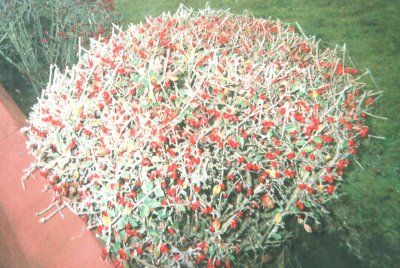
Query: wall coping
[{"x": 60, "y": 242}]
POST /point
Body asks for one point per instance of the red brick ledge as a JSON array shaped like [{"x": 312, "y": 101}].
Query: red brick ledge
[{"x": 24, "y": 242}]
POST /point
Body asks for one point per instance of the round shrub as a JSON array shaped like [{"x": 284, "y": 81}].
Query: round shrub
[{"x": 193, "y": 138}]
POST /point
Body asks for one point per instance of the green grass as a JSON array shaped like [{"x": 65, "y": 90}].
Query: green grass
[{"x": 368, "y": 215}]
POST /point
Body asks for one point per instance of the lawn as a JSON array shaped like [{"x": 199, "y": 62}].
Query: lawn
[{"x": 365, "y": 223}]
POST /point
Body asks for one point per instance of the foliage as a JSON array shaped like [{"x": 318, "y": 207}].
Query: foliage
[
  {"x": 35, "y": 34},
  {"x": 365, "y": 222},
  {"x": 192, "y": 139}
]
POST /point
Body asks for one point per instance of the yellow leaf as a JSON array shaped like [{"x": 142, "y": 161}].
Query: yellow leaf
[
  {"x": 123, "y": 147},
  {"x": 106, "y": 221},
  {"x": 153, "y": 78},
  {"x": 131, "y": 146},
  {"x": 174, "y": 78},
  {"x": 314, "y": 94},
  {"x": 79, "y": 110},
  {"x": 278, "y": 217},
  {"x": 75, "y": 174},
  {"x": 127, "y": 210},
  {"x": 320, "y": 188},
  {"x": 216, "y": 189},
  {"x": 95, "y": 123},
  {"x": 272, "y": 173},
  {"x": 185, "y": 184}
]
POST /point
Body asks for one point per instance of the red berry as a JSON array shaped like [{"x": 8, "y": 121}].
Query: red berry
[
  {"x": 146, "y": 162},
  {"x": 122, "y": 254},
  {"x": 171, "y": 230},
  {"x": 104, "y": 253},
  {"x": 330, "y": 189},
  {"x": 233, "y": 224},
  {"x": 302, "y": 186},
  {"x": 291, "y": 155},
  {"x": 163, "y": 248}
]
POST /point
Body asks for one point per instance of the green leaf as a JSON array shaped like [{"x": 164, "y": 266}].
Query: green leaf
[
  {"x": 182, "y": 115},
  {"x": 122, "y": 233},
  {"x": 122, "y": 223},
  {"x": 144, "y": 212},
  {"x": 162, "y": 214},
  {"x": 291, "y": 128},
  {"x": 318, "y": 140},
  {"x": 115, "y": 247},
  {"x": 133, "y": 222},
  {"x": 159, "y": 192},
  {"x": 211, "y": 250},
  {"x": 276, "y": 236},
  {"x": 145, "y": 82},
  {"x": 269, "y": 134},
  {"x": 258, "y": 157},
  {"x": 152, "y": 73},
  {"x": 111, "y": 213},
  {"x": 154, "y": 235},
  {"x": 147, "y": 186},
  {"x": 309, "y": 148},
  {"x": 190, "y": 116},
  {"x": 87, "y": 164},
  {"x": 125, "y": 174},
  {"x": 140, "y": 92},
  {"x": 249, "y": 159},
  {"x": 140, "y": 196},
  {"x": 241, "y": 141},
  {"x": 152, "y": 203},
  {"x": 146, "y": 106},
  {"x": 181, "y": 208},
  {"x": 295, "y": 209},
  {"x": 231, "y": 258},
  {"x": 300, "y": 143}
]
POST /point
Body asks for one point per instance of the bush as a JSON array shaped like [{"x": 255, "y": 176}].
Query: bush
[
  {"x": 35, "y": 34},
  {"x": 193, "y": 138}
]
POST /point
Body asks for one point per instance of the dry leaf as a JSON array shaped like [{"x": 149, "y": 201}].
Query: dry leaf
[
  {"x": 307, "y": 228},
  {"x": 100, "y": 152},
  {"x": 267, "y": 201},
  {"x": 266, "y": 258},
  {"x": 216, "y": 224},
  {"x": 278, "y": 218},
  {"x": 320, "y": 188},
  {"x": 300, "y": 220}
]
